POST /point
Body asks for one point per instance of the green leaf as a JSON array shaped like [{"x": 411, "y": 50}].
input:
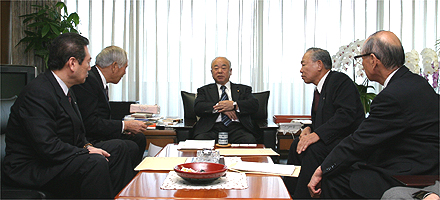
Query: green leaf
[
  {"x": 55, "y": 29},
  {"x": 46, "y": 28},
  {"x": 75, "y": 18}
]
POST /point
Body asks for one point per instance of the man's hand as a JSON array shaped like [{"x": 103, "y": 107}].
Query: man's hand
[
  {"x": 231, "y": 114},
  {"x": 223, "y": 106},
  {"x": 315, "y": 183},
  {"x": 306, "y": 139},
  {"x": 135, "y": 126},
  {"x": 94, "y": 150}
]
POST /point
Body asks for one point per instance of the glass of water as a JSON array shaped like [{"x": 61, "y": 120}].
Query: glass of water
[{"x": 208, "y": 155}]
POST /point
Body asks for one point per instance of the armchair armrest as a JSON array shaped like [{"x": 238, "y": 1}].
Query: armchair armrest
[
  {"x": 184, "y": 131},
  {"x": 269, "y": 130}
]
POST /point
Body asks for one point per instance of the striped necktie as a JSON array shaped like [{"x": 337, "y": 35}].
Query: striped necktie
[{"x": 225, "y": 119}]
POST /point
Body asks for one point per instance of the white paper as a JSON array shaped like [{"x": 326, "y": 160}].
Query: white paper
[
  {"x": 196, "y": 144},
  {"x": 269, "y": 168}
]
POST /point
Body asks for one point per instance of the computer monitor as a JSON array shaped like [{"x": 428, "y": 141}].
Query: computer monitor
[{"x": 13, "y": 78}]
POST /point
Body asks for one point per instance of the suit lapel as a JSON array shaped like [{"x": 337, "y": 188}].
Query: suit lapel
[
  {"x": 96, "y": 75},
  {"x": 213, "y": 91},
  {"x": 67, "y": 106},
  {"x": 322, "y": 97},
  {"x": 235, "y": 92}
]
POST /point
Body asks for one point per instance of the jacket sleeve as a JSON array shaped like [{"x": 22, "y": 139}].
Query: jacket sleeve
[
  {"x": 344, "y": 109},
  {"x": 38, "y": 113},
  {"x": 203, "y": 104},
  {"x": 96, "y": 119},
  {"x": 247, "y": 103}
]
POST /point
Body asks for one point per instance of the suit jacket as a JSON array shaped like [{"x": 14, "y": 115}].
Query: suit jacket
[
  {"x": 95, "y": 109},
  {"x": 339, "y": 110},
  {"x": 399, "y": 137},
  {"x": 43, "y": 133},
  {"x": 208, "y": 96}
]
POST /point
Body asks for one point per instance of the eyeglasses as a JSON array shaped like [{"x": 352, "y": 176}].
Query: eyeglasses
[
  {"x": 359, "y": 56},
  {"x": 366, "y": 54}
]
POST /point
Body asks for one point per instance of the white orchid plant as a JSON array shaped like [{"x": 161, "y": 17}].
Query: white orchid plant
[
  {"x": 344, "y": 59},
  {"x": 430, "y": 63}
]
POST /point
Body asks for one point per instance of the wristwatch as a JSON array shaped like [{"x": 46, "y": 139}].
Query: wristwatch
[
  {"x": 235, "y": 105},
  {"x": 421, "y": 194}
]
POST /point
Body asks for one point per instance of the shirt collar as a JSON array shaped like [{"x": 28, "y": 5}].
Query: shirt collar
[
  {"x": 61, "y": 83},
  {"x": 228, "y": 85},
  {"x": 104, "y": 81},
  {"x": 321, "y": 82},
  {"x": 389, "y": 77}
]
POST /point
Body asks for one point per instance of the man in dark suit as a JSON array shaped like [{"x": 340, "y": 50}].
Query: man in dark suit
[
  {"x": 337, "y": 112},
  {"x": 225, "y": 106},
  {"x": 93, "y": 102},
  {"x": 399, "y": 137},
  {"x": 46, "y": 146}
]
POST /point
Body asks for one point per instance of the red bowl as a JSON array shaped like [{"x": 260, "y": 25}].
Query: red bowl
[{"x": 205, "y": 172}]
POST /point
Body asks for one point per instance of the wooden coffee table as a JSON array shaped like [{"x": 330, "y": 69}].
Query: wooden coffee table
[{"x": 146, "y": 184}]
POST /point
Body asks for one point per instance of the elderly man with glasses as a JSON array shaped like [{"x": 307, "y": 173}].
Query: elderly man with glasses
[{"x": 399, "y": 137}]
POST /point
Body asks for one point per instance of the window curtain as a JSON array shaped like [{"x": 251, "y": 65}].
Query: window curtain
[{"x": 171, "y": 43}]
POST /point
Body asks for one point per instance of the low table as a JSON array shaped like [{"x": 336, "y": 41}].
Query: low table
[{"x": 146, "y": 184}]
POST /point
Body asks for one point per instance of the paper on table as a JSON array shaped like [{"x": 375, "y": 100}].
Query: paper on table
[
  {"x": 266, "y": 168},
  {"x": 196, "y": 144},
  {"x": 247, "y": 152},
  {"x": 160, "y": 163}
]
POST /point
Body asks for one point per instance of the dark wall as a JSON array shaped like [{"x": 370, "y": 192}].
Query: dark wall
[{"x": 4, "y": 31}]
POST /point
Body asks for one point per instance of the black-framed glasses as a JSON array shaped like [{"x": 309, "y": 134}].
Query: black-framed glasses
[{"x": 360, "y": 56}]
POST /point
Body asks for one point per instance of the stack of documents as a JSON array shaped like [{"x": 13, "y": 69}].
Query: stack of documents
[
  {"x": 247, "y": 152},
  {"x": 196, "y": 144},
  {"x": 266, "y": 168},
  {"x": 160, "y": 163}
]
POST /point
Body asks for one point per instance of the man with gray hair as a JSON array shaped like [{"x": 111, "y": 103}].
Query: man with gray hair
[
  {"x": 336, "y": 111},
  {"x": 224, "y": 106},
  {"x": 399, "y": 137},
  {"x": 93, "y": 102}
]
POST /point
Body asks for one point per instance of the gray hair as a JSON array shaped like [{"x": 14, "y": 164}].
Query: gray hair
[
  {"x": 391, "y": 55},
  {"x": 111, "y": 54},
  {"x": 322, "y": 55},
  {"x": 221, "y": 57}
]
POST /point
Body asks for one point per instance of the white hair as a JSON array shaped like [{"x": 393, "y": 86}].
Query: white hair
[{"x": 111, "y": 54}]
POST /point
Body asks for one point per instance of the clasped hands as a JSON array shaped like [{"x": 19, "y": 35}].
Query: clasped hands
[{"x": 226, "y": 107}]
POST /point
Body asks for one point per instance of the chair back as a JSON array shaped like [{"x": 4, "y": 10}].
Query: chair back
[
  {"x": 6, "y": 105},
  {"x": 263, "y": 98},
  {"x": 188, "y": 106}
]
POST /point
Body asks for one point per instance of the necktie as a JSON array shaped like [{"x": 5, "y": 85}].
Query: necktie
[
  {"x": 69, "y": 97},
  {"x": 72, "y": 102},
  {"x": 316, "y": 100},
  {"x": 225, "y": 119}
]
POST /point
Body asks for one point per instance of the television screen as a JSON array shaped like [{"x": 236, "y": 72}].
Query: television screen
[{"x": 13, "y": 78}]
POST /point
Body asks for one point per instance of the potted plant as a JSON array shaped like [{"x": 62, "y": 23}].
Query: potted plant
[{"x": 46, "y": 24}]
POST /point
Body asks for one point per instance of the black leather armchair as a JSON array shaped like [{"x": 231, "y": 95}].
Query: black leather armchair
[
  {"x": 265, "y": 130},
  {"x": 9, "y": 191}
]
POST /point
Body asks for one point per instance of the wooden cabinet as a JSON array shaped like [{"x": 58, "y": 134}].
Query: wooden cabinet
[{"x": 160, "y": 137}]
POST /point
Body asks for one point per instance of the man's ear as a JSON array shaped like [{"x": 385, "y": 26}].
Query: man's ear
[
  {"x": 114, "y": 67},
  {"x": 320, "y": 65},
  {"x": 71, "y": 64},
  {"x": 374, "y": 61}
]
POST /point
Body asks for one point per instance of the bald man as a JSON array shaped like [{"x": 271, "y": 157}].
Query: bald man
[{"x": 399, "y": 137}]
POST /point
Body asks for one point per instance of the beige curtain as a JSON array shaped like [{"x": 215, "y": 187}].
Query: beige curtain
[{"x": 17, "y": 55}]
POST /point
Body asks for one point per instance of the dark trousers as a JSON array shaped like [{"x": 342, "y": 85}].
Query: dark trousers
[
  {"x": 136, "y": 144},
  {"x": 309, "y": 160},
  {"x": 92, "y": 176},
  {"x": 237, "y": 133}
]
